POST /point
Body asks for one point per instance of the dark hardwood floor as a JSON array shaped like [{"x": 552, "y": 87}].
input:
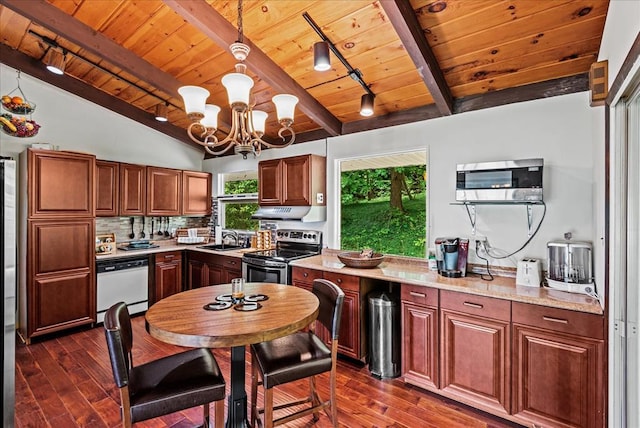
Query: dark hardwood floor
[{"x": 66, "y": 381}]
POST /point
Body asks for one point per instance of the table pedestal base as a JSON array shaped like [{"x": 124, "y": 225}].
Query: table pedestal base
[{"x": 237, "y": 409}]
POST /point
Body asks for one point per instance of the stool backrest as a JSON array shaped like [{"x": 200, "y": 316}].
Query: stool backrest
[{"x": 331, "y": 298}]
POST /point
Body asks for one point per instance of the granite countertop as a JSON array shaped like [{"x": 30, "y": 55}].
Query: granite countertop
[
  {"x": 170, "y": 245},
  {"x": 416, "y": 272}
]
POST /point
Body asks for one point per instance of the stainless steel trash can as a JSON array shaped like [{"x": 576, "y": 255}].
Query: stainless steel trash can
[{"x": 384, "y": 335}]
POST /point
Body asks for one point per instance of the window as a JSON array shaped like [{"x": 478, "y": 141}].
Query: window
[
  {"x": 384, "y": 204},
  {"x": 239, "y": 201}
]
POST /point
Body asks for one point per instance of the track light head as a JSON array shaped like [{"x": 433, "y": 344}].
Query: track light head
[
  {"x": 55, "y": 61},
  {"x": 366, "y": 105},
  {"x": 321, "y": 60}
]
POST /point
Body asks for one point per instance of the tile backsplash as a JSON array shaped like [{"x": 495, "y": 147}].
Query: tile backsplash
[{"x": 121, "y": 226}]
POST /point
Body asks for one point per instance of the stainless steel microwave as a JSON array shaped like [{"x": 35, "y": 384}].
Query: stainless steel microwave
[{"x": 501, "y": 181}]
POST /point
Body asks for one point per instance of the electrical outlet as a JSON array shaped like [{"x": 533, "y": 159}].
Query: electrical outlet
[{"x": 320, "y": 198}]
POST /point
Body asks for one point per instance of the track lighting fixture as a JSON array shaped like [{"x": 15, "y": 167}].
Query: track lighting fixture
[
  {"x": 161, "y": 112},
  {"x": 366, "y": 105},
  {"x": 55, "y": 61},
  {"x": 321, "y": 61}
]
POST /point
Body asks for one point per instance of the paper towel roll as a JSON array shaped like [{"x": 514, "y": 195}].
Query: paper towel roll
[{"x": 218, "y": 235}]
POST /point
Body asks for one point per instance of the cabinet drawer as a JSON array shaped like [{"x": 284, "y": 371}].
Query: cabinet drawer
[
  {"x": 419, "y": 294},
  {"x": 345, "y": 282},
  {"x": 580, "y": 323},
  {"x": 228, "y": 262},
  {"x": 476, "y": 305},
  {"x": 300, "y": 274},
  {"x": 168, "y": 257}
]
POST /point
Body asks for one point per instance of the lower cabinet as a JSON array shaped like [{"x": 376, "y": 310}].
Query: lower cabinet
[
  {"x": 475, "y": 350},
  {"x": 420, "y": 336},
  {"x": 168, "y": 274},
  {"x": 204, "y": 269},
  {"x": 57, "y": 290},
  {"x": 352, "y": 322},
  {"x": 558, "y": 367}
]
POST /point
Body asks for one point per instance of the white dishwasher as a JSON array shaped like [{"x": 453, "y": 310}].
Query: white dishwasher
[{"x": 122, "y": 281}]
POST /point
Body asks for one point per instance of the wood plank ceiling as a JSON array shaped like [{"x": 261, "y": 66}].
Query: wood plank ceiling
[{"x": 421, "y": 58}]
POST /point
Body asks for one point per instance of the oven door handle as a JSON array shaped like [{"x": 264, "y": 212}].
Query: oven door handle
[{"x": 265, "y": 263}]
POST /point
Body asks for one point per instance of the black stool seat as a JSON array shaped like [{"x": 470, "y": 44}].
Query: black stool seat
[
  {"x": 174, "y": 383},
  {"x": 293, "y": 357}
]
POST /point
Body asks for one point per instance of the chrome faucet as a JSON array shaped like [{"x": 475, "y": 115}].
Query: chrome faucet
[{"x": 232, "y": 233}]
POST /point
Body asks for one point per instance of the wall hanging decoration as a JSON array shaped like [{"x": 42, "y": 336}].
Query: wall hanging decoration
[{"x": 17, "y": 104}]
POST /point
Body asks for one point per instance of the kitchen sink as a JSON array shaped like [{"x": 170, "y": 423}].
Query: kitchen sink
[{"x": 221, "y": 247}]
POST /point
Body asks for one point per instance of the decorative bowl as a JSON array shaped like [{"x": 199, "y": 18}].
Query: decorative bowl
[{"x": 353, "y": 259}]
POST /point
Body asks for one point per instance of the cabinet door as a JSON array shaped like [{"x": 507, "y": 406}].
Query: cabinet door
[
  {"x": 349, "y": 342},
  {"x": 231, "y": 268},
  {"x": 196, "y": 193},
  {"x": 61, "y": 184},
  {"x": 164, "y": 191},
  {"x": 270, "y": 182},
  {"x": 107, "y": 189},
  {"x": 420, "y": 345},
  {"x": 296, "y": 175},
  {"x": 558, "y": 378},
  {"x": 475, "y": 360},
  {"x": 168, "y": 274},
  {"x": 60, "y": 287},
  {"x": 196, "y": 274},
  {"x": 133, "y": 189}
]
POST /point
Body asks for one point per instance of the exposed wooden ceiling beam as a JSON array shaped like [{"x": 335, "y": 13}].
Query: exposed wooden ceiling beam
[
  {"x": 69, "y": 28},
  {"x": 404, "y": 20},
  {"x": 204, "y": 17},
  {"x": 534, "y": 91},
  {"x": 35, "y": 68}
]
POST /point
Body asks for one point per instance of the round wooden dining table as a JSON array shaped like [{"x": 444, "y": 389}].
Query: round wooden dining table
[{"x": 181, "y": 319}]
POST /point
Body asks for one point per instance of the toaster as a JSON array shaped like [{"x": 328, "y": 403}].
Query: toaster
[{"x": 529, "y": 273}]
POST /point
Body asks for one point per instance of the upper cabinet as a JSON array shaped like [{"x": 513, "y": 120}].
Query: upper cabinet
[
  {"x": 196, "y": 193},
  {"x": 107, "y": 188},
  {"x": 50, "y": 171},
  {"x": 124, "y": 189},
  {"x": 296, "y": 181},
  {"x": 164, "y": 191},
  {"x": 133, "y": 185}
]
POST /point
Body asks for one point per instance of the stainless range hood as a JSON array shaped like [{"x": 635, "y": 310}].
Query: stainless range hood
[{"x": 300, "y": 213}]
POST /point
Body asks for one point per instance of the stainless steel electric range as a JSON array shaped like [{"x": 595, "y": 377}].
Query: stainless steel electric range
[{"x": 273, "y": 265}]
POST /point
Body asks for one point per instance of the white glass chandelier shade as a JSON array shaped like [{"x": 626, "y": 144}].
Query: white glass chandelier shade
[
  {"x": 285, "y": 106},
  {"x": 238, "y": 88},
  {"x": 194, "y": 98},
  {"x": 210, "y": 119},
  {"x": 258, "y": 121}
]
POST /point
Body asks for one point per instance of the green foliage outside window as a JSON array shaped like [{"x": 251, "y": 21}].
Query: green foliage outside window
[
  {"x": 238, "y": 214},
  {"x": 370, "y": 221}
]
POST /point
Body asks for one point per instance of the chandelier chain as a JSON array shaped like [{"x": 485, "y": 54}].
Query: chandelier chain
[{"x": 240, "y": 29}]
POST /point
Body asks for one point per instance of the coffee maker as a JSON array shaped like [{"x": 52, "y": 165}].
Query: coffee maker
[{"x": 451, "y": 256}]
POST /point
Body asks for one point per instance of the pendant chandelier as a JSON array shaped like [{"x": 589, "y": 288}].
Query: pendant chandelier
[{"x": 247, "y": 124}]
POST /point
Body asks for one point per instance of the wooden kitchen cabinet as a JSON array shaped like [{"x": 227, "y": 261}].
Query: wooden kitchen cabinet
[
  {"x": 59, "y": 291},
  {"x": 168, "y": 274},
  {"x": 351, "y": 322},
  {"x": 475, "y": 350},
  {"x": 206, "y": 269},
  {"x": 133, "y": 189},
  {"x": 164, "y": 191},
  {"x": 558, "y": 367},
  {"x": 107, "y": 188},
  {"x": 297, "y": 181},
  {"x": 196, "y": 193},
  {"x": 420, "y": 336},
  {"x": 60, "y": 184}
]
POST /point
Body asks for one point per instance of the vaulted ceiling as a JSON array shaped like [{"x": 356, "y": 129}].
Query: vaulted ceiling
[{"x": 422, "y": 59}]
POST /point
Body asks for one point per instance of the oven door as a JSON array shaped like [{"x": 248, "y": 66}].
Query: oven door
[{"x": 259, "y": 270}]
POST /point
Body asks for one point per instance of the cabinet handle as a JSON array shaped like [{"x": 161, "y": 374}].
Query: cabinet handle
[
  {"x": 232, "y": 262},
  {"x": 414, "y": 294},
  {"x": 558, "y": 320},
  {"x": 305, "y": 274},
  {"x": 170, "y": 256},
  {"x": 339, "y": 281},
  {"x": 473, "y": 305}
]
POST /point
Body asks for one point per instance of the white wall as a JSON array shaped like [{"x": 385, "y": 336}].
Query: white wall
[
  {"x": 75, "y": 124},
  {"x": 558, "y": 129}
]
